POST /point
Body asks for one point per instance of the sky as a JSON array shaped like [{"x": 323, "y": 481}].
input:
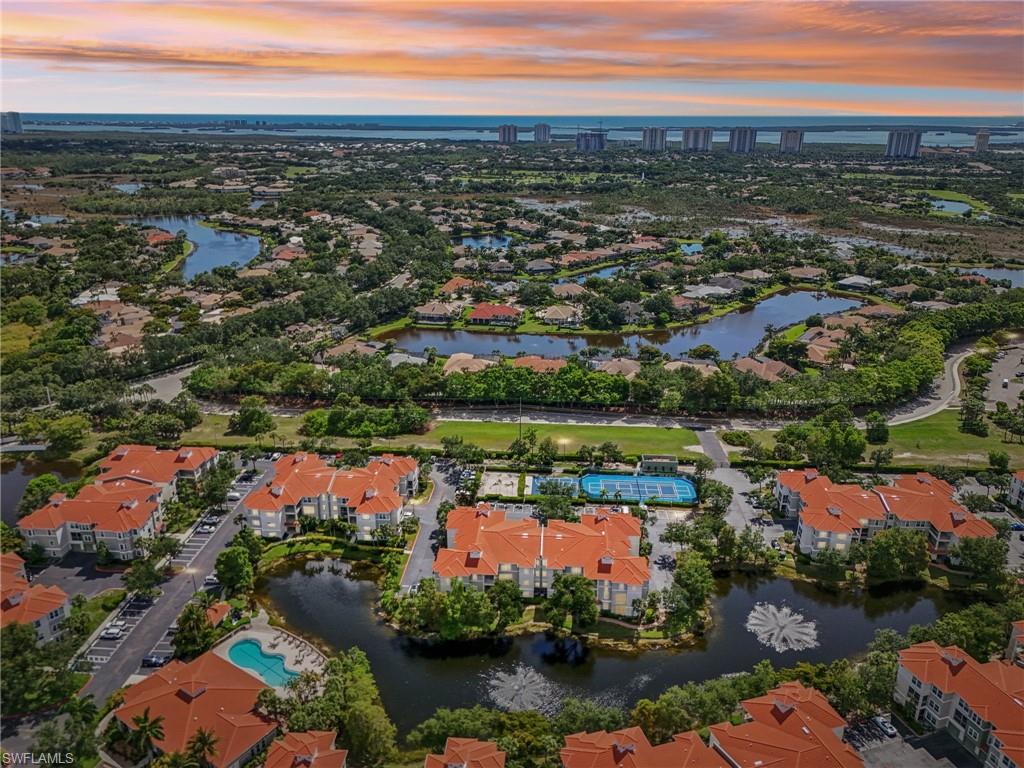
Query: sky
[{"x": 549, "y": 57}]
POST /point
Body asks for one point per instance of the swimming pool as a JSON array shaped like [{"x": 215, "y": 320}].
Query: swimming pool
[
  {"x": 638, "y": 488},
  {"x": 249, "y": 654}
]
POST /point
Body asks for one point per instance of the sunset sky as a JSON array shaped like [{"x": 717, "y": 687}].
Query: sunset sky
[{"x": 548, "y": 57}]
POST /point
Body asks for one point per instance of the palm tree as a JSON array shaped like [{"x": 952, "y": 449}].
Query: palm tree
[
  {"x": 147, "y": 731},
  {"x": 81, "y": 710},
  {"x": 175, "y": 760},
  {"x": 203, "y": 745}
]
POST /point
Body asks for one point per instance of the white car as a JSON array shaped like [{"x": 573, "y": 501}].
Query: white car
[
  {"x": 234, "y": 496},
  {"x": 111, "y": 633},
  {"x": 211, "y": 581},
  {"x": 117, "y": 624},
  {"x": 886, "y": 726}
]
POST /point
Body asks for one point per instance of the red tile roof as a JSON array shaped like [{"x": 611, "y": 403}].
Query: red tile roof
[
  {"x": 790, "y": 727},
  {"x": 458, "y": 285},
  {"x": 217, "y": 612},
  {"x": 119, "y": 511},
  {"x": 309, "y": 749},
  {"x": 150, "y": 463},
  {"x": 600, "y": 544},
  {"x": 841, "y": 508},
  {"x": 209, "y": 692},
  {"x": 494, "y": 311},
  {"x": 538, "y": 364},
  {"x": 21, "y": 602},
  {"x": 466, "y": 753},
  {"x": 994, "y": 690},
  {"x": 629, "y": 748},
  {"x": 300, "y": 475}
]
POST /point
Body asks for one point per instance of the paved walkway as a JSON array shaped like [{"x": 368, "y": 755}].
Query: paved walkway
[{"x": 299, "y": 655}]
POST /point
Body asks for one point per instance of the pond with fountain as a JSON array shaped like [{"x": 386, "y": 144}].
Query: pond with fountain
[{"x": 754, "y": 618}]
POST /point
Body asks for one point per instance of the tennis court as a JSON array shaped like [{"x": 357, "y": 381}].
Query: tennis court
[{"x": 638, "y": 488}]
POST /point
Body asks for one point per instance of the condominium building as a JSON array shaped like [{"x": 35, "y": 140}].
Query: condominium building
[
  {"x": 981, "y": 140},
  {"x": 1016, "y": 493},
  {"x": 980, "y": 704},
  {"x": 306, "y": 749},
  {"x": 903, "y": 143},
  {"x": 10, "y": 122},
  {"x": 508, "y": 134},
  {"x": 121, "y": 507},
  {"x": 42, "y": 607},
  {"x": 484, "y": 544},
  {"x": 591, "y": 141},
  {"x": 791, "y": 141},
  {"x": 305, "y": 485},
  {"x": 631, "y": 748},
  {"x": 698, "y": 139},
  {"x": 208, "y": 692},
  {"x": 467, "y": 753},
  {"x": 835, "y": 516},
  {"x": 542, "y": 133},
  {"x": 743, "y": 140},
  {"x": 654, "y": 139},
  {"x": 789, "y": 727}
]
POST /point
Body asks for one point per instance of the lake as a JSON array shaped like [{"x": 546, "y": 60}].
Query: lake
[
  {"x": 1015, "y": 276},
  {"x": 492, "y": 242},
  {"x": 734, "y": 334},
  {"x": 213, "y": 247},
  {"x": 950, "y": 206},
  {"x": 338, "y": 611},
  {"x": 16, "y": 475},
  {"x": 604, "y": 272}
]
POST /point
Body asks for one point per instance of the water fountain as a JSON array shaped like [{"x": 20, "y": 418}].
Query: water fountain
[
  {"x": 781, "y": 628},
  {"x": 523, "y": 688}
]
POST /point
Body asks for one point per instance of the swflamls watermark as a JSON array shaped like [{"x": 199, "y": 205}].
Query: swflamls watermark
[{"x": 37, "y": 758}]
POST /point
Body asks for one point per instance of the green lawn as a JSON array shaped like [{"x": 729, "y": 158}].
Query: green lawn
[
  {"x": 293, "y": 171},
  {"x": 146, "y": 157},
  {"x": 794, "y": 332},
  {"x": 937, "y": 439},
  {"x": 98, "y": 608},
  {"x": 488, "y": 435}
]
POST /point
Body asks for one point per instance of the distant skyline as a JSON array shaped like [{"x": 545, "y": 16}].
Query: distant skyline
[{"x": 572, "y": 57}]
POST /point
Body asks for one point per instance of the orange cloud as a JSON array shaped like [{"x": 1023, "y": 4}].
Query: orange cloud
[{"x": 940, "y": 45}]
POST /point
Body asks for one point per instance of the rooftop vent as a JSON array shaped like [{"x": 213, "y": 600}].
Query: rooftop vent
[
  {"x": 619, "y": 751},
  {"x": 475, "y": 554},
  {"x": 955, "y": 662},
  {"x": 276, "y": 490},
  {"x": 184, "y": 453},
  {"x": 834, "y": 511},
  {"x": 782, "y": 707},
  {"x": 958, "y": 515},
  {"x": 369, "y": 493},
  {"x": 810, "y": 474},
  {"x": 192, "y": 690}
]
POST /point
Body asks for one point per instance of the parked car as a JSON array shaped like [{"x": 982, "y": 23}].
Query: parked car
[
  {"x": 234, "y": 496},
  {"x": 155, "y": 660},
  {"x": 140, "y": 601},
  {"x": 211, "y": 581},
  {"x": 173, "y": 629},
  {"x": 111, "y": 633},
  {"x": 206, "y": 529},
  {"x": 885, "y": 725},
  {"x": 117, "y": 624}
]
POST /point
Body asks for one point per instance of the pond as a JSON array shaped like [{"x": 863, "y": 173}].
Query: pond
[
  {"x": 691, "y": 248},
  {"x": 493, "y": 242},
  {"x": 213, "y": 247},
  {"x": 323, "y": 603},
  {"x": 950, "y": 206},
  {"x": 16, "y": 475},
  {"x": 1015, "y": 276},
  {"x": 734, "y": 334},
  {"x": 604, "y": 273}
]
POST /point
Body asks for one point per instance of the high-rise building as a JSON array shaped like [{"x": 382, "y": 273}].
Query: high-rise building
[
  {"x": 903, "y": 143},
  {"x": 508, "y": 134},
  {"x": 791, "y": 141},
  {"x": 542, "y": 133},
  {"x": 981, "y": 140},
  {"x": 698, "y": 139},
  {"x": 591, "y": 141},
  {"x": 742, "y": 139},
  {"x": 654, "y": 139},
  {"x": 10, "y": 122}
]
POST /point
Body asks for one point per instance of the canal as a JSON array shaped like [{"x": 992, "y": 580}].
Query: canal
[
  {"x": 213, "y": 247},
  {"x": 736, "y": 333},
  {"x": 321, "y": 601}
]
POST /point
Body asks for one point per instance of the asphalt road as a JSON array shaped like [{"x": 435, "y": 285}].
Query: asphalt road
[{"x": 421, "y": 561}]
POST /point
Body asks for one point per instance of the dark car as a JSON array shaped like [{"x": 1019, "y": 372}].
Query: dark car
[{"x": 155, "y": 660}]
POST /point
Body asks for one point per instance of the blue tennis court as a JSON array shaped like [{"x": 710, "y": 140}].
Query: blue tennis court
[
  {"x": 638, "y": 488},
  {"x": 539, "y": 481}
]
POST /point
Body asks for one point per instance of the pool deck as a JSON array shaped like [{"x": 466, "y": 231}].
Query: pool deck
[{"x": 299, "y": 655}]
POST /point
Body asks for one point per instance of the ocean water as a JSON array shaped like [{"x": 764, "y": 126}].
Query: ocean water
[{"x": 940, "y": 131}]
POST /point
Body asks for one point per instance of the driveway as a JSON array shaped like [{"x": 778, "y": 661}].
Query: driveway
[
  {"x": 76, "y": 574},
  {"x": 663, "y": 556},
  {"x": 741, "y": 513},
  {"x": 933, "y": 750},
  {"x": 421, "y": 561}
]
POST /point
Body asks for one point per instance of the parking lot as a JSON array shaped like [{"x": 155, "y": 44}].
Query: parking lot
[
  {"x": 118, "y": 628},
  {"x": 1007, "y": 368}
]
